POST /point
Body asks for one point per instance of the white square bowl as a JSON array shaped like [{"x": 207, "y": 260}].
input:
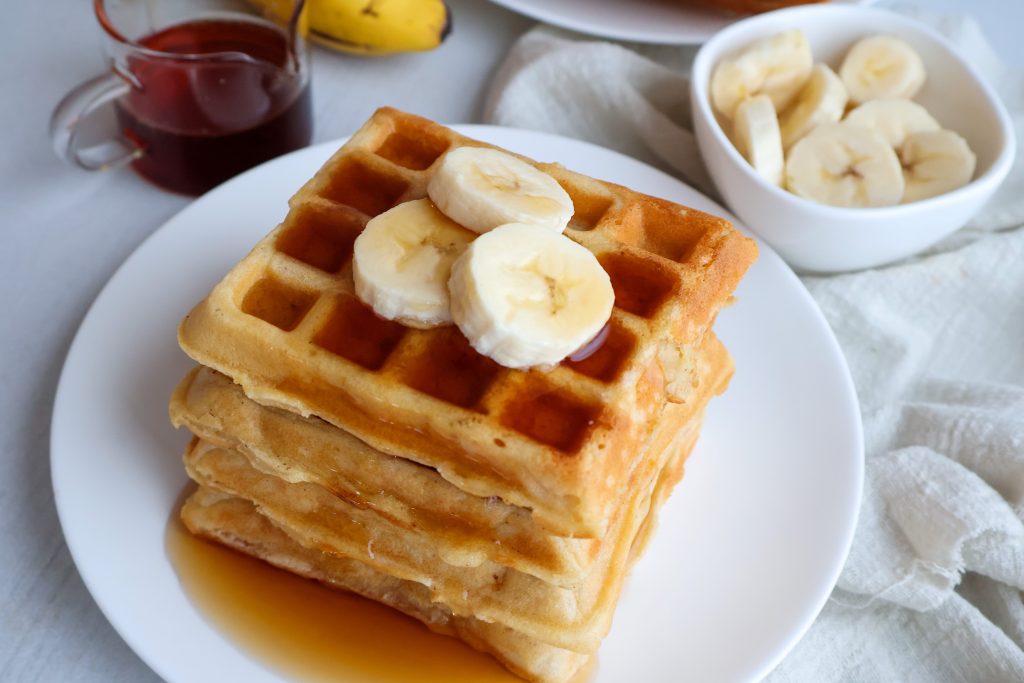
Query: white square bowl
[{"x": 816, "y": 237}]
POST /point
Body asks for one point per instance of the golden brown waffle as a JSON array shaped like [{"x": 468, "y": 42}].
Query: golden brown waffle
[
  {"x": 598, "y": 598},
  {"x": 572, "y": 618},
  {"x": 236, "y": 523},
  {"x": 462, "y": 527},
  {"x": 286, "y": 325}
]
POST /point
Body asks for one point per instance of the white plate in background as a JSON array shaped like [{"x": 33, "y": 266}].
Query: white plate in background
[{"x": 668, "y": 22}]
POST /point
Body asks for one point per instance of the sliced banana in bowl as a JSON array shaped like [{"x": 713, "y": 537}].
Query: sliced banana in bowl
[
  {"x": 950, "y": 140},
  {"x": 882, "y": 66},
  {"x": 757, "y": 136},
  {"x": 934, "y": 162},
  {"x": 822, "y": 100},
  {"x": 777, "y": 66},
  {"x": 842, "y": 164},
  {"x": 894, "y": 118},
  {"x": 776, "y": 102}
]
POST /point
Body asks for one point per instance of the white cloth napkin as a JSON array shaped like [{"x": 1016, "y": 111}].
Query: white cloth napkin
[{"x": 932, "y": 588}]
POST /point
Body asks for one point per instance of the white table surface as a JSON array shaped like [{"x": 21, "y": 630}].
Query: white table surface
[{"x": 68, "y": 230}]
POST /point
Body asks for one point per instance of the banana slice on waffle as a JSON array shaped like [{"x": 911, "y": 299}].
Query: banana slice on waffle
[
  {"x": 522, "y": 293},
  {"x": 482, "y": 188},
  {"x": 401, "y": 262},
  {"x": 526, "y": 296}
]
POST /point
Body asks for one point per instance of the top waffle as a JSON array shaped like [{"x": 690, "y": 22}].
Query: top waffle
[{"x": 286, "y": 325}]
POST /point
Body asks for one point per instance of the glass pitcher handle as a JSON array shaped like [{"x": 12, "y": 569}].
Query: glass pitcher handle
[{"x": 75, "y": 108}]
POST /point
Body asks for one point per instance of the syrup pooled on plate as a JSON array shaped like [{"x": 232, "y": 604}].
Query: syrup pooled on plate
[{"x": 310, "y": 633}]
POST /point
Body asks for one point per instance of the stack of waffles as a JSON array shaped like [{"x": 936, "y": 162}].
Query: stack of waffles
[{"x": 501, "y": 506}]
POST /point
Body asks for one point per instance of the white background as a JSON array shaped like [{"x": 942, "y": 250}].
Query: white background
[{"x": 65, "y": 231}]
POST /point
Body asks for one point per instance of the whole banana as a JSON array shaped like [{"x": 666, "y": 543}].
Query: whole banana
[{"x": 372, "y": 27}]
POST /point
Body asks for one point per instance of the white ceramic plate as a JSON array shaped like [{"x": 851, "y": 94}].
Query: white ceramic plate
[
  {"x": 749, "y": 546},
  {"x": 669, "y": 22}
]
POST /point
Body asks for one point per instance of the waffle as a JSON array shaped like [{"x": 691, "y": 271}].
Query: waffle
[
  {"x": 461, "y": 527},
  {"x": 236, "y": 523},
  {"x": 242, "y": 525},
  {"x": 576, "y": 618},
  {"x": 286, "y": 325}
]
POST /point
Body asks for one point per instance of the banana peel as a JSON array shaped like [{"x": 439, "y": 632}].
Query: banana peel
[
  {"x": 379, "y": 27},
  {"x": 370, "y": 27}
]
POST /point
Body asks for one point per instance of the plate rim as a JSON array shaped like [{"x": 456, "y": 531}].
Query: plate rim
[
  {"x": 481, "y": 131},
  {"x": 570, "y": 22}
]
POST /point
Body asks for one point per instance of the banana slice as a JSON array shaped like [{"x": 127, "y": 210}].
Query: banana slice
[
  {"x": 822, "y": 100},
  {"x": 845, "y": 165},
  {"x": 483, "y": 188},
  {"x": 526, "y": 296},
  {"x": 402, "y": 260},
  {"x": 935, "y": 162},
  {"x": 777, "y": 66},
  {"x": 879, "y": 67},
  {"x": 756, "y": 132},
  {"x": 895, "y": 119}
]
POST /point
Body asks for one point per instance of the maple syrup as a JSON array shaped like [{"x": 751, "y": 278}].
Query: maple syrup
[
  {"x": 588, "y": 208},
  {"x": 417, "y": 150},
  {"x": 591, "y": 347},
  {"x": 449, "y": 369},
  {"x": 321, "y": 236},
  {"x": 353, "y": 331},
  {"x": 640, "y": 287},
  {"x": 202, "y": 121},
  {"x": 550, "y": 416},
  {"x": 364, "y": 188},
  {"x": 277, "y": 303},
  {"x": 309, "y": 633},
  {"x": 604, "y": 356}
]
